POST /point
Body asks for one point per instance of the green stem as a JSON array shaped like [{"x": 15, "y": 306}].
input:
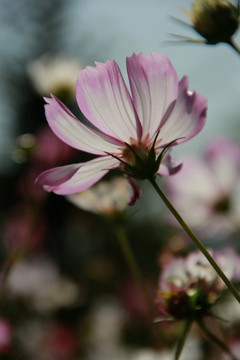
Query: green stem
[
  {"x": 216, "y": 340},
  {"x": 7, "y": 266},
  {"x": 130, "y": 259},
  {"x": 234, "y": 46},
  {"x": 196, "y": 241},
  {"x": 182, "y": 339}
]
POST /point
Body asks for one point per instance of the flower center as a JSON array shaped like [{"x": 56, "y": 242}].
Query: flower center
[
  {"x": 139, "y": 148},
  {"x": 223, "y": 205},
  {"x": 141, "y": 159}
]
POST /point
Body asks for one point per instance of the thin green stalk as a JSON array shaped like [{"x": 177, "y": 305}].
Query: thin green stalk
[
  {"x": 196, "y": 241},
  {"x": 7, "y": 266},
  {"x": 234, "y": 46},
  {"x": 182, "y": 339},
  {"x": 131, "y": 261}
]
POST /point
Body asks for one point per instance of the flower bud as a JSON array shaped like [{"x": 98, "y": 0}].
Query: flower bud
[{"x": 215, "y": 20}]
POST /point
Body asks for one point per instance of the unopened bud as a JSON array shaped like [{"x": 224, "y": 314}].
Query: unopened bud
[{"x": 215, "y": 20}]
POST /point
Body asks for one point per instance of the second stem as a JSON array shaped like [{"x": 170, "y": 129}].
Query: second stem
[{"x": 196, "y": 241}]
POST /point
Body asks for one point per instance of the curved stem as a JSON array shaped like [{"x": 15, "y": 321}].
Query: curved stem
[
  {"x": 196, "y": 241},
  {"x": 7, "y": 266},
  {"x": 234, "y": 46},
  {"x": 182, "y": 339},
  {"x": 131, "y": 261}
]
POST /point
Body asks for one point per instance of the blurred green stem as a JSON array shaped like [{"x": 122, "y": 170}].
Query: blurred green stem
[
  {"x": 182, "y": 339},
  {"x": 7, "y": 266},
  {"x": 196, "y": 241},
  {"x": 131, "y": 261}
]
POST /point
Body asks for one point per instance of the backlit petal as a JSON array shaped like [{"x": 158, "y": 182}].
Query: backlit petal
[
  {"x": 223, "y": 157},
  {"x": 70, "y": 130},
  {"x": 105, "y": 101},
  {"x": 169, "y": 166},
  {"x": 154, "y": 85},
  {"x": 71, "y": 179},
  {"x": 187, "y": 117}
]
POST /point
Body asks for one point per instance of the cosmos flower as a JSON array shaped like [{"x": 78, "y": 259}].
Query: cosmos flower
[
  {"x": 131, "y": 132},
  {"x": 210, "y": 186},
  {"x": 189, "y": 287}
]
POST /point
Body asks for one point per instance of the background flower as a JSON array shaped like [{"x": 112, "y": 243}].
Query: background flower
[
  {"x": 55, "y": 75},
  {"x": 210, "y": 186},
  {"x": 188, "y": 287}
]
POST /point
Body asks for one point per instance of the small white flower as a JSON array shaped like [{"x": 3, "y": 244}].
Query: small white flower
[
  {"x": 54, "y": 74},
  {"x": 39, "y": 280},
  {"x": 106, "y": 197}
]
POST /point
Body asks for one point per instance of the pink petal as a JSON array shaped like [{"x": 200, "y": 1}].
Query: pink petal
[
  {"x": 187, "y": 117},
  {"x": 71, "y": 179},
  {"x": 223, "y": 158},
  {"x": 105, "y": 101},
  {"x": 136, "y": 191},
  {"x": 194, "y": 182},
  {"x": 70, "y": 130},
  {"x": 169, "y": 166},
  {"x": 57, "y": 176},
  {"x": 154, "y": 85}
]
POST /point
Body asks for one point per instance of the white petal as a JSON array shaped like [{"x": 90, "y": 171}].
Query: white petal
[
  {"x": 154, "y": 85},
  {"x": 70, "y": 130},
  {"x": 71, "y": 179},
  {"x": 187, "y": 117},
  {"x": 105, "y": 101}
]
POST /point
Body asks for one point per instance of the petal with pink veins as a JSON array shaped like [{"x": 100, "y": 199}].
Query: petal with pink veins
[
  {"x": 154, "y": 86},
  {"x": 74, "y": 178},
  {"x": 105, "y": 101},
  {"x": 136, "y": 191},
  {"x": 169, "y": 166},
  {"x": 187, "y": 117},
  {"x": 58, "y": 175},
  {"x": 70, "y": 130}
]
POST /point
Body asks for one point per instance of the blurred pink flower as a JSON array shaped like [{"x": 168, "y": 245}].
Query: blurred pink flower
[
  {"x": 133, "y": 299},
  {"x": 207, "y": 191},
  {"x": 50, "y": 150},
  {"x": 124, "y": 130},
  {"x": 46, "y": 150},
  {"x": 235, "y": 348},
  {"x": 22, "y": 233},
  {"x": 61, "y": 342},
  {"x": 190, "y": 286},
  {"x": 43, "y": 339},
  {"x": 6, "y": 335}
]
